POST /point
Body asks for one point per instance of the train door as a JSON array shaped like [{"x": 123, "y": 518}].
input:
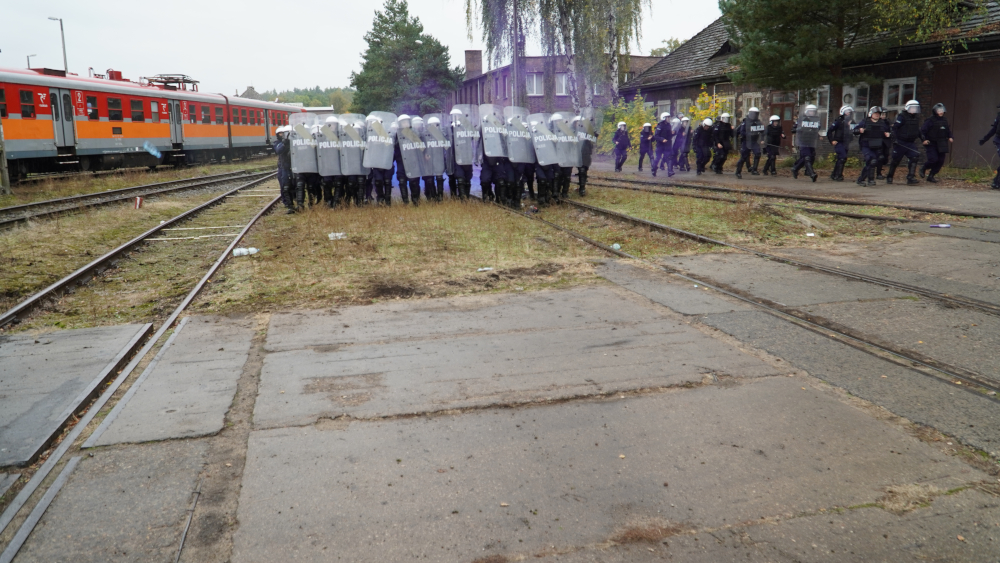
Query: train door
[
  {"x": 62, "y": 117},
  {"x": 783, "y": 105},
  {"x": 176, "y": 122},
  {"x": 267, "y": 126}
]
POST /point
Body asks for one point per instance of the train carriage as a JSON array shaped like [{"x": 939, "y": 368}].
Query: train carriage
[{"x": 53, "y": 122}]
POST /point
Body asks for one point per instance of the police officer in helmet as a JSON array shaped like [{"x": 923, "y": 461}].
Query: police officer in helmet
[
  {"x": 937, "y": 139},
  {"x": 995, "y": 133},
  {"x": 839, "y": 133},
  {"x": 907, "y": 132},
  {"x": 873, "y": 134},
  {"x": 772, "y": 140},
  {"x": 749, "y": 134}
]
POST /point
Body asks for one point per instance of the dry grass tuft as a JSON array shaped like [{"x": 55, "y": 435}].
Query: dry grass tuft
[
  {"x": 900, "y": 499},
  {"x": 648, "y": 531}
]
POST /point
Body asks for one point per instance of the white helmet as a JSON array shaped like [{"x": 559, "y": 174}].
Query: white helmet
[
  {"x": 456, "y": 111},
  {"x": 433, "y": 121},
  {"x": 844, "y": 110},
  {"x": 675, "y": 122},
  {"x": 707, "y": 122},
  {"x": 417, "y": 119},
  {"x": 775, "y": 118},
  {"x": 403, "y": 117},
  {"x": 664, "y": 115},
  {"x": 622, "y": 124},
  {"x": 645, "y": 124},
  {"x": 912, "y": 106},
  {"x": 754, "y": 111},
  {"x": 811, "y": 110},
  {"x": 332, "y": 119},
  {"x": 724, "y": 118},
  {"x": 685, "y": 118}
]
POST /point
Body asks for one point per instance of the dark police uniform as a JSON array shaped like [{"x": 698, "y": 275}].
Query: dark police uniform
[
  {"x": 722, "y": 134},
  {"x": 936, "y": 132},
  {"x": 702, "y": 142},
  {"x": 995, "y": 133},
  {"x": 646, "y": 147},
  {"x": 872, "y": 142},
  {"x": 664, "y": 133},
  {"x": 622, "y": 144},
  {"x": 840, "y": 131},
  {"x": 907, "y": 131},
  {"x": 773, "y": 135}
]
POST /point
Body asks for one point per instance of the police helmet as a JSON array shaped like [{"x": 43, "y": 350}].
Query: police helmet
[
  {"x": 775, "y": 118},
  {"x": 811, "y": 110},
  {"x": 403, "y": 118},
  {"x": 707, "y": 122},
  {"x": 456, "y": 111},
  {"x": 724, "y": 118},
  {"x": 873, "y": 110},
  {"x": 433, "y": 121},
  {"x": 620, "y": 124},
  {"x": 685, "y": 118},
  {"x": 417, "y": 119},
  {"x": 556, "y": 117},
  {"x": 912, "y": 106},
  {"x": 332, "y": 120},
  {"x": 752, "y": 113},
  {"x": 939, "y": 107},
  {"x": 675, "y": 122},
  {"x": 844, "y": 110},
  {"x": 645, "y": 124}
]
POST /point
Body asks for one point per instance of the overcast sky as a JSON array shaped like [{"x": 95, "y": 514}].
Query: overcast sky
[{"x": 229, "y": 45}]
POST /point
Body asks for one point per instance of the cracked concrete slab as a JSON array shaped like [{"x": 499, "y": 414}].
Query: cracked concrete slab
[
  {"x": 682, "y": 297},
  {"x": 527, "y": 480},
  {"x": 956, "y": 230},
  {"x": 44, "y": 378},
  {"x": 517, "y": 349},
  {"x": 190, "y": 388}
]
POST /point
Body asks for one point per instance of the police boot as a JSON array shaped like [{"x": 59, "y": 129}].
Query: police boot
[
  {"x": 931, "y": 178},
  {"x": 531, "y": 191},
  {"x": 996, "y": 180},
  {"x": 809, "y": 169},
  {"x": 439, "y": 182},
  {"x": 739, "y": 168},
  {"x": 567, "y": 179},
  {"x": 387, "y": 192},
  {"x": 300, "y": 194},
  {"x": 543, "y": 192},
  {"x": 466, "y": 189},
  {"x": 923, "y": 170},
  {"x": 891, "y": 173},
  {"x": 838, "y": 168},
  {"x": 796, "y": 168},
  {"x": 583, "y": 182},
  {"x": 864, "y": 174},
  {"x": 756, "y": 161},
  {"x": 288, "y": 197},
  {"x": 911, "y": 174},
  {"x": 415, "y": 191}
]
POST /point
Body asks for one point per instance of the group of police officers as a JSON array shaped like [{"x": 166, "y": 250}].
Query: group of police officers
[
  {"x": 669, "y": 145},
  {"x": 351, "y": 158}
]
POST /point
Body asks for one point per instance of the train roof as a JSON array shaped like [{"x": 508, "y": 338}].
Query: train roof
[{"x": 41, "y": 78}]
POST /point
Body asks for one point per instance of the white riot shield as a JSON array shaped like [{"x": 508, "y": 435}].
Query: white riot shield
[
  {"x": 303, "y": 144},
  {"x": 519, "y": 147},
  {"x": 807, "y": 130},
  {"x": 587, "y": 129},
  {"x": 567, "y": 143},
  {"x": 438, "y": 151},
  {"x": 464, "y": 122},
  {"x": 352, "y": 144},
  {"x": 411, "y": 148},
  {"x": 494, "y": 131},
  {"x": 328, "y": 145},
  {"x": 543, "y": 139},
  {"x": 380, "y": 142}
]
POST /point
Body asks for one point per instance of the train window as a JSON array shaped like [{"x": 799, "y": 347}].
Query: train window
[
  {"x": 206, "y": 114},
  {"x": 92, "y": 113},
  {"x": 138, "y": 116},
  {"x": 219, "y": 118},
  {"x": 114, "y": 109},
  {"x": 253, "y": 118},
  {"x": 193, "y": 113},
  {"x": 3, "y": 103},
  {"x": 154, "y": 111},
  {"x": 27, "y": 104},
  {"x": 243, "y": 116},
  {"x": 260, "y": 117}
]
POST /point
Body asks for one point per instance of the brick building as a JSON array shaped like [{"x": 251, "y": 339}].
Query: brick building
[
  {"x": 495, "y": 86},
  {"x": 968, "y": 83}
]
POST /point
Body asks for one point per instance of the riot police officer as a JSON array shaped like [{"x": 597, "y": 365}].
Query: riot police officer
[
  {"x": 645, "y": 147},
  {"x": 622, "y": 144},
  {"x": 873, "y": 134},
  {"x": 839, "y": 134},
  {"x": 907, "y": 132},
  {"x": 464, "y": 122},
  {"x": 995, "y": 133},
  {"x": 806, "y": 131},
  {"x": 772, "y": 140},
  {"x": 702, "y": 140},
  {"x": 937, "y": 136},
  {"x": 663, "y": 135},
  {"x": 283, "y": 149},
  {"x": 682, "y": 145},
  {"x": 722, "y": 142},
  {"x": 749, "y": 133}
]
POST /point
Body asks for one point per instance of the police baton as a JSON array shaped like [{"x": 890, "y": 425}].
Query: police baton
[{"x": 906, "y": 147}]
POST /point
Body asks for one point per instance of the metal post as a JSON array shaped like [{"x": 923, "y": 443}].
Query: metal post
[
  {"x": 517, "y": 43},
  {"x": 62, "y": 33},
  {"x": 4, "y": 175}
]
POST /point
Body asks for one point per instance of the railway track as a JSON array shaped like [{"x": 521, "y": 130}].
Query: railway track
[
  {"x": 970, "y": 381},
  {"x": 129, "y": 360},
  {"x": 19, "y": 214},
  {"x": 603, "y": 181}
]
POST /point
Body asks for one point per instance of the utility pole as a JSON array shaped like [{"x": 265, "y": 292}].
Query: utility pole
[
  {"x": 63, "y": 34},
  {"x": 29, "y": 60},
  {"x": 517, "y": 44},
  {"x": 4, "y": 176}
]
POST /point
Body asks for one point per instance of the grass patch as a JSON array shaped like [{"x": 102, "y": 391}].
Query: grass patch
[
  {"x": 87, "y": 183},
  {"x": 399, "y": 252}
]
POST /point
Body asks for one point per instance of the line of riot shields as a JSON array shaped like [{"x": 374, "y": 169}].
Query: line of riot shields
[{"x": 342, "y": 159}]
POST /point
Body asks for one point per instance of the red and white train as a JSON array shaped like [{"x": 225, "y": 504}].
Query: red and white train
[{"x": 54, "y": 122}]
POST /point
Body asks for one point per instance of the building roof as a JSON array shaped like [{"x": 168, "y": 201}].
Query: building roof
[{"x": 705, "y": 55}]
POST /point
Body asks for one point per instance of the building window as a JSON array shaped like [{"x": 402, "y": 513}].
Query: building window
[
  {"x": 3, "y": 103},
  {"x": 822, "y": 101},
  {"x": 662, "y": 106},
  {"x": 27, "y": 104},
  {"x": 562, "y": 87},
  {"x": 154, "y": 111},
  {"x": 137, "y": 114},
  {"x": 857, "y": 97},
  {"x": 535, "y": 84},
  {"x": 114, "y": 109},
  {"x": 751, "y": 100},
  {"x": 193, "y": 113},
  {"x": 727, "y": 104},
  {"x": 506, "y": 87},
  {"x": 219, "y": 117},
  {"x": 684, "y": 107},
  {"x": 895, "y": 93},
  {"x": 206, "y": 114},
  {"x": 598, "y": 90}
]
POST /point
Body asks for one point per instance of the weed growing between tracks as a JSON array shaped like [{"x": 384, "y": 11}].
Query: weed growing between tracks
[{"x": 397, "y": 252}]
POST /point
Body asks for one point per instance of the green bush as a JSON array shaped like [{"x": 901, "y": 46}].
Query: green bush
[{"x": 634, "y": 114}]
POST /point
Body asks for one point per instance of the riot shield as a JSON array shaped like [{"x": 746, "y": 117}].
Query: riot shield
[
  {"x": 494, "y": 130},
  {"x": 303, "y": 145},
  {"x": 567, "y": 143},
  {"x": 755, "y": 129},
  {"x": 519, "y": 147},
  {"x": 380, "y": 142},
  {"x": 543, "y": 139},
  {"x": 587, "y": 128},
  {"x": 438, "y": 151},
  {"x": 464, "y": 122},
  {"x": 411, "y": 147},
  {"x": 807, "y": 130},
  {"x": 328, "y": 145},
  {"x": 352, "y": 144}
]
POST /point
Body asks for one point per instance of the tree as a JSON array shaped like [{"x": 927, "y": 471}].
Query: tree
[
  {"x": 669, "y": 46},
  {"x": 339, "y": 98},
  {"x": 795, "y": 45},
  {"x": 403, "y": 69},
  {"x": 505, "y": 25}
]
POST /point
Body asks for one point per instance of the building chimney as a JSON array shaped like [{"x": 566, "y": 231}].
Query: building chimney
[{"x": 473, "y": 64}]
